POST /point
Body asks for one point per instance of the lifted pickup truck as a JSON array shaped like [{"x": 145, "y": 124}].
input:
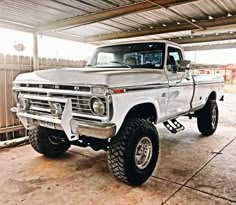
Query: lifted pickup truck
[{"x": 114, "y": 104}]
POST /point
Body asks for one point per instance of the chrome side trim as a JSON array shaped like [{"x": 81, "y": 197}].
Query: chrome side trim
[
  {"x": 181, "y": 85},
  {"x": 206, "y": 83},
  {"x": 146, "y": 87}
]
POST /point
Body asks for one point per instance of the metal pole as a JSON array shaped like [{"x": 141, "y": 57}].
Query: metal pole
[{"x": 35, "y": 50}]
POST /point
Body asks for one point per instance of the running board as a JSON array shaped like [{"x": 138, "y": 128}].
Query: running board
[{"x": 174, "y": 127}]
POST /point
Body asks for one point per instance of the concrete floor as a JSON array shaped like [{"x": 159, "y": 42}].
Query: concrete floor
[{"x": 192, "y": 170}]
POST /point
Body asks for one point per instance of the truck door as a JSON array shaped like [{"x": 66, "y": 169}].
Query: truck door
[{"x": 180, "y": 84}]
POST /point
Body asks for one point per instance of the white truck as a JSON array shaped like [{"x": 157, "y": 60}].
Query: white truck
[{"x": 114, "y": 104}]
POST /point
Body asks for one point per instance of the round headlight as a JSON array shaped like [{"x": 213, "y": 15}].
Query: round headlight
[
  {"x": 23, "y": 103},
  {"x": 56, "y": 109},
  {"x": 97, "y": 106}
]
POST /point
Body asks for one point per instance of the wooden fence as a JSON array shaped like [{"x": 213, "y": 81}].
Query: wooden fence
[{"x": 10, "y": 67}]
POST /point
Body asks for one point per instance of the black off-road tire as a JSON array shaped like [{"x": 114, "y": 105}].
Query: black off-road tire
[
  {"x": 207, "y": 118},
  {"x": 39, "y": 140},
  {"x": 121, "y": 152}
]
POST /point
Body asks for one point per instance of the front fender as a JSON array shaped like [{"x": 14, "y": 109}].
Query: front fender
[
  {"x": 123, "y": 103},
  {"x": 145, "y": 99}
]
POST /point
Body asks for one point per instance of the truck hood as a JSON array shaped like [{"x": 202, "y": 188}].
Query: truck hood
[{"x": 109, "y": 76}]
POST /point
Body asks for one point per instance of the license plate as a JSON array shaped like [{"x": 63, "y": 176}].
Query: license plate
[{"x": 50, "y": 125}]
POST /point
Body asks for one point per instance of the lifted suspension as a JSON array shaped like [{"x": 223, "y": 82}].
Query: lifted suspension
[{"x": 95, "y": 143}]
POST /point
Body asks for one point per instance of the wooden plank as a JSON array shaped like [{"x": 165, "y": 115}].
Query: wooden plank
[{"x": 11, "y": 129}]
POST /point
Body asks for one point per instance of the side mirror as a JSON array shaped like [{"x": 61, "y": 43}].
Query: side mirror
[{"x": 183, "y": 65}]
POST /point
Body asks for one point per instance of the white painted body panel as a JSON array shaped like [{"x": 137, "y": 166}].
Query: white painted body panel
[
  {"x": 204, "y": 85},
  {"x": 109, "y": 77},
  {"x": 122, "y": 103},
  {"x": 180, "y": 93}
]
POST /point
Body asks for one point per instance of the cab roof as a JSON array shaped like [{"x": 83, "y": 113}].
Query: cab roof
[{"x": 141, "y": 41}]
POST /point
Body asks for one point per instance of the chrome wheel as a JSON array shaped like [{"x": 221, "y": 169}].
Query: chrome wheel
[
  {"x": 143, "y": 153},
  {"x": 214, "y": 117}
]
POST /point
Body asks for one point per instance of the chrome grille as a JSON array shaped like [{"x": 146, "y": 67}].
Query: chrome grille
[
  {"x": 80, "y": 103},
  {"x": 39, "y": 106}
]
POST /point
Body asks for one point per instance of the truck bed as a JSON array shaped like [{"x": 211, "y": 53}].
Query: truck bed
[
  {"x": 207, "y": 79},
  {"x": 204, "y": 84}
]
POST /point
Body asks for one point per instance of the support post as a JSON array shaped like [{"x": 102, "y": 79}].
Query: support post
[{"x": 35, "y": 50}]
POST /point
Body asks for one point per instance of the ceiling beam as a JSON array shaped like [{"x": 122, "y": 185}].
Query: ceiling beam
[
  {"x": 65, "y": 36},
  {"x": 29, "y": 29},
  {"x": 16, "y": 26},
  {"x": 210, "y": 47},
  {"x": 205, "y": 38},
  {"x": 166, "y": 29},
  {"x": 109, "y": 14}
]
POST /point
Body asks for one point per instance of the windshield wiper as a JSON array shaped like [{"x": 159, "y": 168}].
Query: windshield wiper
[
  {"x": 124, "y": 64},
  {"x": 89, "y": 65}
]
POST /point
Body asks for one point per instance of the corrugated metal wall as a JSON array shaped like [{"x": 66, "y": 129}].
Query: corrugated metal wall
[{"x": 10, "y": 67}]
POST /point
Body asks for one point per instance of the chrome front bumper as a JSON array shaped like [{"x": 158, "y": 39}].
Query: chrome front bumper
[
  {"x": 101, "y": 130},
  {"x": 72, "y": 128}
]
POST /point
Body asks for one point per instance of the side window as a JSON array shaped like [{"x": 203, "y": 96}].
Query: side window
[{"x": 173, "y": 55}]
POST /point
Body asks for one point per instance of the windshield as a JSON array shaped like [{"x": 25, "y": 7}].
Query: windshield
[{"x": 140, "y": 55}]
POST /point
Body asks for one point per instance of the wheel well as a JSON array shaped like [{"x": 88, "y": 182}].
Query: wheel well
[
  {"x": 144, "y": 111},
  {"x": 212, "y": 96}
]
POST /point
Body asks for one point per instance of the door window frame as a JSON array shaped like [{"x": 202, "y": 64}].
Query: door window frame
[{"x": 181, "y": 56}]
